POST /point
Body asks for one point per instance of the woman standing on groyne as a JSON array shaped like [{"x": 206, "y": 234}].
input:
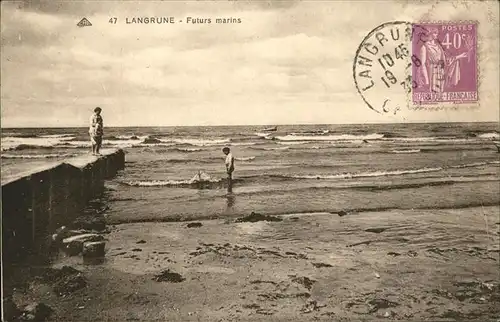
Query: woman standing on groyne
[{"x": 96, "y": 130}]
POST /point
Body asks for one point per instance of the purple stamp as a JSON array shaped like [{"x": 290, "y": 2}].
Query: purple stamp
[{"x": 444, "y": 63}]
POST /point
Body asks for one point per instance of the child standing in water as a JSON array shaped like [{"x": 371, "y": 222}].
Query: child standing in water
[
  {"x": 229, "y": 168},
  {"x": 96, "y": 130}
]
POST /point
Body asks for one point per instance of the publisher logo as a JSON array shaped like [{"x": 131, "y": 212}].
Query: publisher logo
[{"x": 84, "y": 23}]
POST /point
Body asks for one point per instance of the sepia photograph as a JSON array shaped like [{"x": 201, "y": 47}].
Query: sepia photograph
[{"x": 237, "y": 160}]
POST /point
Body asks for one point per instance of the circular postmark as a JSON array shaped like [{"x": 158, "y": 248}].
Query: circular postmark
[{"x": 382, "y": 67}]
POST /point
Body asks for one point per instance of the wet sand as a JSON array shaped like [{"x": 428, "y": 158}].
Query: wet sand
[{"x": 407, "y": 265}]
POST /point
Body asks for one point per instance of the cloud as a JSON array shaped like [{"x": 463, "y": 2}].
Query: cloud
[{"x": 28, "y": 28}]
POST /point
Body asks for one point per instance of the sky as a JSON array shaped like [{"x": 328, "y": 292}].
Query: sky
[{"x": 287, "y": 62}]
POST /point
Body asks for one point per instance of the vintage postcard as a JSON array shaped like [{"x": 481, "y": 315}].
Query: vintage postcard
[{"x": 250, "y": 160}]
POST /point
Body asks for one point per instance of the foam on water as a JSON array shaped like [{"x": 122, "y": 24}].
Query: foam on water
[
  {"x": 187, "y": 149},
  {"x": 361, "y": 175},
  {"x": 490, "y": 135},
  {"x": 38, "y": 156},
  {"x": 199, "y": 142},
  {"x": 245, "y": 159},
  {"x": 342, "y": 137},
  {"x": 199, "y": 178},
  {"x": 11, "y": 143},
  {"x": 281, "y": 148},
  {"x": 385, "y": 173},
  {"x": 405, "y": 151}
]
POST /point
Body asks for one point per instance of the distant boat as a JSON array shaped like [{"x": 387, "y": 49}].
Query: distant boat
[{"x": 271, "y": 129}]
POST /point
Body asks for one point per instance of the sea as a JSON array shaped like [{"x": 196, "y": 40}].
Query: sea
[{"x": 176, "y": 173}]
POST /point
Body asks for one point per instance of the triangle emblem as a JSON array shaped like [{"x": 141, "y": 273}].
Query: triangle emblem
[{"x": 84, "y": 23}]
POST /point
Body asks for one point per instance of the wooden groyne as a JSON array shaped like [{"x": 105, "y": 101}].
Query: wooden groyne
[{"x": 36, "y": 202}]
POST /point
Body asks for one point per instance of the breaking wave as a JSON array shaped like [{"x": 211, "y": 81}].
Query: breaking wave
[
  {"x": 245, "y": 159},
  {"x": 489, "y": 135},
  {"x": 199, "y": 142},
  {"x": 360, "y": 175},
  {"x": 383, "y": 173},
  {"x": 11, "y": 143},
  {"x": 342, "y": 137},
  {"x": 281, "y": 148},
  {"x": 187, "y": 149},
  {"x": 22, "y": 147},
  {"x": 66, "y": 136},
  {"x": 405, "y": 151},
  {"x": 126, "y": 137},
  {"x": 293, "y": 142},
  {"x": 37, "y": 156},
  {"x": 199, "y": 180},
  {"x": 242, "y": 143},
  {"x": 473, "y": 165},
  {"x": 316, "y": 132}
]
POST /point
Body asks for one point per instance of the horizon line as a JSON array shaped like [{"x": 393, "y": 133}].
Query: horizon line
[{"x": 229, "y": 125}]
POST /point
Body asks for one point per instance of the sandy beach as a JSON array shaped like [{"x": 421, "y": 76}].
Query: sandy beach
[{"x": 409, "y": 265}]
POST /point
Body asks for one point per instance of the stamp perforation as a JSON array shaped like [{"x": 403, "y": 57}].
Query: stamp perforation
[{"x": 452, "y": 105}]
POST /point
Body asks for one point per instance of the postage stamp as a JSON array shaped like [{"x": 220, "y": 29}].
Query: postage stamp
[
  {"x": 444, "y": 68},
  {"x": 401, "y": 64}
]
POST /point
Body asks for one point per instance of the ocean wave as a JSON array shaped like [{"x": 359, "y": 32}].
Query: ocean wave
[
  {"x": 391, "y": 135},
  {"x": 187, "y": 149},
  {"x": 194, "y": 160},
  {"x": 405, "y": 151},
  {"x": 74, "y": 145},
  {"x": 201, "y": 142},
  {"x": 473, "y": 165},
  {"x": 382, "y": 173},
  {"x": 151, "y": 140},
  {"x": 37, "y": 156},
  {"x": 122, "y": 143},
  {"x": 242, "y": 143},
  {"x": 489, "y": 135},
  {"x": 22, "y": 147},
  {"x": 282, "y": 148},
  {"x": 426, "y": 139},
  {"x": 155, "y": 183},
  {"x": 315, "y": 132},
  {"x": 245, "y": 159},
  {"x": 151, "y": 145},
  {"x": 411, "y": 185},
  {"x": 361, "y": 174},
  {"x": 105, "y": 143},
  {"x": 293, "y": 142},
  {"x": 262, "y": 135},
  {"x": 126, "y": 137},
  {"x": 66, "y": 136},
  {"x": 457, "y": 148},
  {"x": 197, "y": 181},
  {"x": 18, "y": 135},
  {"x": 10, "y": 143},
  {"x": 203, "y": 160},
  {"x": 341, "y": 137}
]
